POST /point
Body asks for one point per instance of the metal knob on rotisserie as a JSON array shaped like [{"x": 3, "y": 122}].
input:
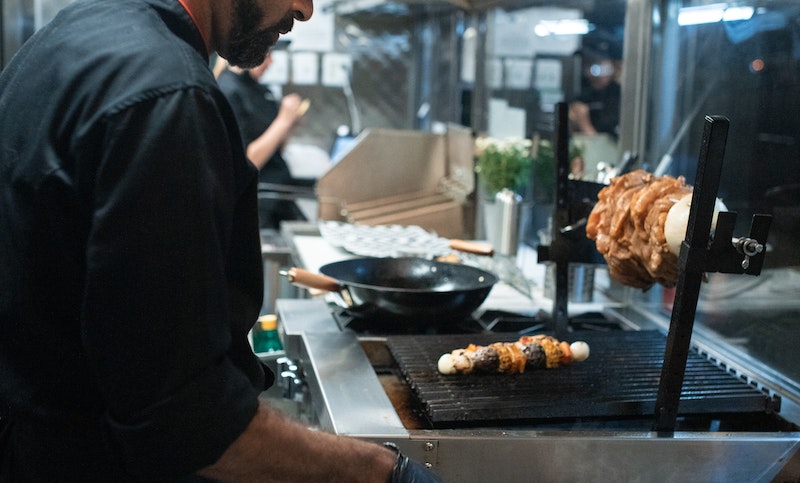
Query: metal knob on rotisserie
[{"x": 747, "y": 247}]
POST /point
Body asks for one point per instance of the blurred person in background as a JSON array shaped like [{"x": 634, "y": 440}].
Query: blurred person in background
[
  {"x": 131, "y": 262},
  {"x": 597, "y": 108},
  {"x": 266, "y": 126}
]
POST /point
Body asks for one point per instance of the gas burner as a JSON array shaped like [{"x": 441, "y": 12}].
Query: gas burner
[
  {"x": 372, "y": 326},
  {"x": 501, "y": 321},
  {"x": 489, "y": 321}
]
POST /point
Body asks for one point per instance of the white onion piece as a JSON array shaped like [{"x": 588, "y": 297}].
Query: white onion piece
[
  {"x": 678, "y": 219},
  {"x": 447, "y": 364},
  {"x": 580, "y": 351}
]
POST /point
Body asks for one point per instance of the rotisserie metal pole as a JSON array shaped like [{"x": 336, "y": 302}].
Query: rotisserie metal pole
[
  {"x": 694, "y": 249},
  {"x": 561, "y": 218}
]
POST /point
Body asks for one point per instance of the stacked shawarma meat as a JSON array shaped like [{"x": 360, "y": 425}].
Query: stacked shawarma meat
[{"x": 638, "y": 225}]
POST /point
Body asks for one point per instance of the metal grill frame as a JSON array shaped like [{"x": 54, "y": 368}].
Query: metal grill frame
[{"x": 619, "y": 380}]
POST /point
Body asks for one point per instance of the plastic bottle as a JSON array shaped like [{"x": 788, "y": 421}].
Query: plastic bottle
[{"x": 265, "y": 335}]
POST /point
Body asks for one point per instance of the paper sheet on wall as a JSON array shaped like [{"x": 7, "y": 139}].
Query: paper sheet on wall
[
  {"x": 548, "y": 74},
  {"x": 518, "y": 73},
  {"x": 505, "y": 121},
  {"x": 305, "y": 69},
  {"x": 335, "y": 69},
  {"x": 278, "y": 72}
]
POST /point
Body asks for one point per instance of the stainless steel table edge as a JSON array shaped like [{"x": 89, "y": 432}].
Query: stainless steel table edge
[
  {"x": 589, "y": 456},
  {"x": 354, "y": 400}
]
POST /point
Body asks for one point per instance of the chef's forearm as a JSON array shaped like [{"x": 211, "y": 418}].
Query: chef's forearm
[
  {"x": 273, "y": 448},
  {"x": 261, "y": 149}
]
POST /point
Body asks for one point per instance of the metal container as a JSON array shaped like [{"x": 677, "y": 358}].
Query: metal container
[
  {"x": 502, "y": 220},
  {"x": 581, "y": 282},
  {"x": 508, "y": 203}
]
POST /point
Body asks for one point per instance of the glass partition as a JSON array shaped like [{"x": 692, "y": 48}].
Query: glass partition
[{"x": 740, "y": 60}]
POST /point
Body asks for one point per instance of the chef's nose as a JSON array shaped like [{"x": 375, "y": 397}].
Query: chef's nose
[{"x": 302, "y": 9}]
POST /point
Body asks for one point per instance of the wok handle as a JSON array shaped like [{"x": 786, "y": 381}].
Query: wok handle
[
  {"x": 475, "y": 248},
  {"x": 299, "y": 276}
]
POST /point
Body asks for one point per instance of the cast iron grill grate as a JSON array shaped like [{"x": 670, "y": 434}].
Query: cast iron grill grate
[{"x": 620, "y": 379}]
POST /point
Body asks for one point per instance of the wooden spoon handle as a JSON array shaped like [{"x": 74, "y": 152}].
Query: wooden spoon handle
[{"x": 472, "y": 247}]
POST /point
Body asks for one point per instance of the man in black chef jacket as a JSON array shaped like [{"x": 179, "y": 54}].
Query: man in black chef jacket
[{"x": 130, "y": 257}]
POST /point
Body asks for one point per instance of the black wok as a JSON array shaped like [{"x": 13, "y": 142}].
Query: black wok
[{"x": 408, "y": 288}]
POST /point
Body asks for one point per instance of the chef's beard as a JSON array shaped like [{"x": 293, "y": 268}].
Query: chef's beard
[{"x": 248, "y": 45}]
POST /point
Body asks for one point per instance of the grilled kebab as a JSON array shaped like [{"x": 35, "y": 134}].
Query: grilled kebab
[{"x": 529, "y": 352}]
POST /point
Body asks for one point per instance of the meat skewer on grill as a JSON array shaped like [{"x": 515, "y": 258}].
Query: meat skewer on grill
[{"x": 529, "y": 352}]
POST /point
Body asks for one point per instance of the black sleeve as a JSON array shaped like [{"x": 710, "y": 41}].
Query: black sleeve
[{"x": 159, "y": 298}]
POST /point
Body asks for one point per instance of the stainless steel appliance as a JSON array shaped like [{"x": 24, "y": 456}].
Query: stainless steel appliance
[{"x": 592, "y": 425}]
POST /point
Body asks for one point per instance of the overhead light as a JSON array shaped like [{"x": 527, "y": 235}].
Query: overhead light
[
  {"x": 575, "y": 26},
  {"x": 732, "y": 14},
  {"x": 713, "y": 13}
]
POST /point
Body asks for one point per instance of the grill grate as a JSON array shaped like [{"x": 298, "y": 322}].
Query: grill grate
[{"x": 620, "y": 379}]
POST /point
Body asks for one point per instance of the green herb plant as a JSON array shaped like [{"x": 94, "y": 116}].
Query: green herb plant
[{"x": 504, "y": 163}]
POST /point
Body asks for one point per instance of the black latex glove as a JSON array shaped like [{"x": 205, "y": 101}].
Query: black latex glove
[{"x": 408, "y": 471}]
